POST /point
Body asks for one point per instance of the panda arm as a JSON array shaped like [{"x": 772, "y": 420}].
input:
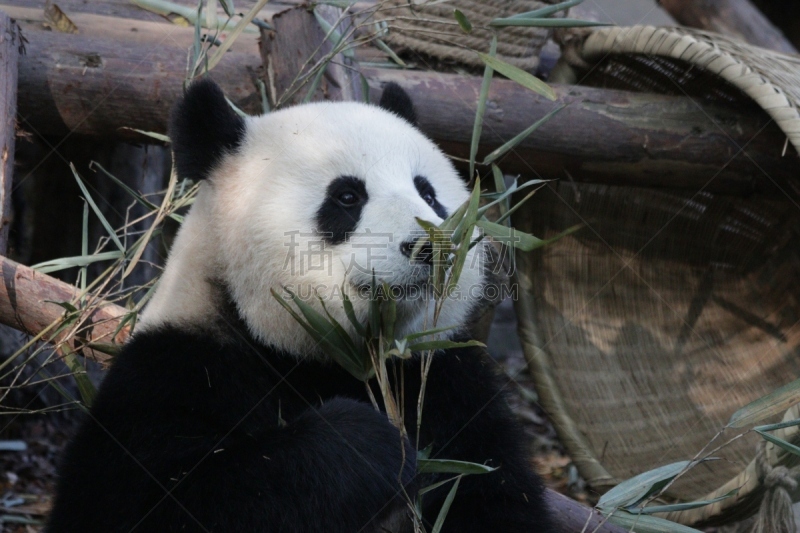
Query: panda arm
[
  {"x": 466, "y": 417},
  {"x": 183, "y": 436}
]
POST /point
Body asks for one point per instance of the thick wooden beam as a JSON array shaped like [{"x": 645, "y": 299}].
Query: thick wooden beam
[
  {"x": 96, "y": 85},
  {"x": 737, "y": 18},
  {"x": 27, "y": 304},
  {"x": 10, "y": 43},
  {"x": 116, "y": 73},
  {"x": 573, "y": 517},
  {"x": 603, "y": 136}
]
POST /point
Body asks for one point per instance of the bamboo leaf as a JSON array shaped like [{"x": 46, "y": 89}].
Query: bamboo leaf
[
  {"x": 632, "y": 491},
  {"x": 158, "y": 136},
  {"x": 526, "y": 79},
  {"x": 391, "y": 53},
  {"x": 85, "y": 386},
  {"x": 477, "y": 127},
  {"x": 448, "y": 501},
  {"x": 549, "y": 10},
  {"x": 518, "y": 239},
  {"x": 443, "y": 345},
  {"x": 227, "y": 7},
  {"x": 773, "y": 403},
  {"x": 76, "y": 261},
  {"x": 653, "y": 509},
  {"x": 351, "y": 314},
  {"x": 511, "y": 144},
  {"x": 449, "y": 466},
  {"x": 779, "y": 425},
  {"x": 234, "y": 34},
  {"x": 789, "y": 447},
  {"x": 648, "y": 524},
  {"x": 334, "y": 35},
  {"x": 435, "y": 486},
  {"x": 545, "y": 23},
  {"x": 103, "y": 221},
  {"x": 463, "y": 21}
]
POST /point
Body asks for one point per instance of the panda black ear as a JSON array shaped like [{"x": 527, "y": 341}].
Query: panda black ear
[
  {"x": 203, "y": 127},
  {"x": 396, "y": 100}
]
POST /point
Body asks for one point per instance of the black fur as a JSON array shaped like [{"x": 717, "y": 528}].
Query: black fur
[
  {"x": 203, "y": 127},
  {"x": 336, "y": 219},
  {"x": 426, "y": 190},
  {"x": 192, "y": 433},
  {"x": 396, "y": 100}
]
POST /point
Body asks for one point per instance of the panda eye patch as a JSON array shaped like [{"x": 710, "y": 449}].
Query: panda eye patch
[
  {"x": 340, "y": 212},
  {"x": 428, "y": 194}
]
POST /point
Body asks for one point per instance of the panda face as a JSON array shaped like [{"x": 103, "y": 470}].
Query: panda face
[{"x": 317, "y": 199}]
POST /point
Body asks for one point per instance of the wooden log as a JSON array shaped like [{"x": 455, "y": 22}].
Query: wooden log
[
  {"x": 10, "y": 43},
  {"x": 603, "y": 136},
  {"x": 573, "y": 517},
  {"x": 291, "y": 52},
  {"x": 27, "y": 304},
  {"x": 122, "y": 72},
  {"x": 96, "y": 86},
  {"x": 737, "y": 18}
]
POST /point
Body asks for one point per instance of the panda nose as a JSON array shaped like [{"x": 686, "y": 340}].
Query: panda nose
[{"x": 425, "y": 254}]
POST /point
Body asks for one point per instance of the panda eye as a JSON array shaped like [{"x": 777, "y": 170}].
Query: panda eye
[
  {"x": 348, "y": 198},
  {"x": 429, "y": 198}
]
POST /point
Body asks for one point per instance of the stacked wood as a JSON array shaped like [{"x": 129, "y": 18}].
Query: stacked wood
[
  {"x": 10, "y": 44},
  {"x": 95, "y": 86}
]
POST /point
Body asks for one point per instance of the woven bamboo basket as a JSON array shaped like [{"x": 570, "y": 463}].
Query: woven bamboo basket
[
  {"x": 646, "y": 330},
  {"x": 428, "y": 27}
]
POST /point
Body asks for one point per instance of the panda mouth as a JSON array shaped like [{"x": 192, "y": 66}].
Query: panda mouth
[{"x": 413, "y": 290}]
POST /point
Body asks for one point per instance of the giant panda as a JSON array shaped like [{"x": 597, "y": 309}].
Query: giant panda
[{"x": 221, "y": 414}]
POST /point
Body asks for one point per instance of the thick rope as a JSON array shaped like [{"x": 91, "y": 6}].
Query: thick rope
[
  {"x": 431, "y": 29},
  {"x": 775, "y": 514}
]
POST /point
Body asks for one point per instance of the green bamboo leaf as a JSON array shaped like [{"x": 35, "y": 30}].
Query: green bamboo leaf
[
  {"x": 158, "y": 136},
  {"x": 549, "y": 10},
  {"x": 332, "y": 34},
  {"x": 323, "y": 333},
  {"x": 653, "y": 509},
  {"x": 632, "y": 491},
  {"x": 312, "y": 88},
  {"x": 134, "y": 194},
  {"x": 779, "y": 425},
  {"x": 518, "y": 239},
  {"x": 62, "y": 263},
  {"x": 103, "y": 221},
  {"x": 85, "y": 386},
  {"x": 227, "y": 7},
  {"x": 773, "y": 403},
  {"x": 351, "y": 314},
  {"x": 391, "y": 53},
  {"x": 428, "y": 333},
  {"x": 448, "y": 501},
  {"x": 500, "y": 188},
  {"x": 448, "y": 466},
  {"x": 526, "y": 79},
  {"x": 510, "y": 145},
  {"x": 443, "y": 345},
  {"x": 498, "y": 198},
  {"x": 477, "y": 127},
  {"x": 648, "y": 524},
  {"x": 234, "y": 34},
  {"x": 429, "y": 488},
  {"x": 789, "y": 447},
  {"x": 545, "y": 23},
  {"x": 463, "y": 21},
  {"x": 511, "y": 211}
]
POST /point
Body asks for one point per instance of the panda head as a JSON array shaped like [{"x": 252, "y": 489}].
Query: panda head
[{"x": 317, "y": 198}]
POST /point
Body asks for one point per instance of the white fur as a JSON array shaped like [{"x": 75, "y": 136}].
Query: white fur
[{"x": 239, "y": 229}]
